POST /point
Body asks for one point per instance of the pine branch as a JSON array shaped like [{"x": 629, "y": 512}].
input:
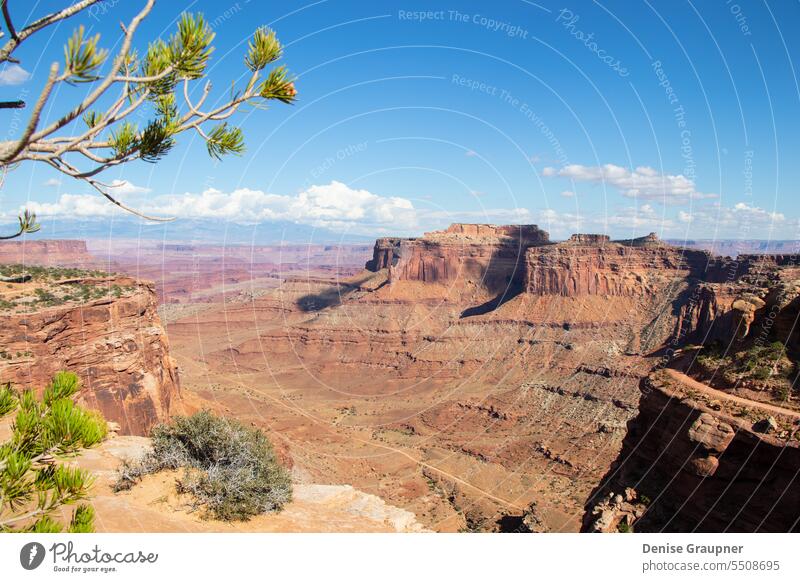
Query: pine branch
[{"x": 109, "y": 139}]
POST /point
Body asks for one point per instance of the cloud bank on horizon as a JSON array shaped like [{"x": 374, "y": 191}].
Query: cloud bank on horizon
[
  {"x": 339, "y": 207},
  {"x": 334, "y": 206}
]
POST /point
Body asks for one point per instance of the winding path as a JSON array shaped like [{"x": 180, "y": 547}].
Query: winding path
[{"x": 690, "y": 382}]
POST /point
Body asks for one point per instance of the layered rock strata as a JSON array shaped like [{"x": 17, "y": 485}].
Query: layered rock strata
[
  {"x": 482, "y": 254},
  {"x": 46, "y": 252},
  {"x": 485, "y": 369},
  {"x": 116, "y": 345},
  {"x": 445, "y": 349}
]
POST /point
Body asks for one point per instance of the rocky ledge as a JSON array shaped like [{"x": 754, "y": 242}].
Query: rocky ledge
[
  {"x": 691, "y": 462},
  {"x": 116, "y": 345}
]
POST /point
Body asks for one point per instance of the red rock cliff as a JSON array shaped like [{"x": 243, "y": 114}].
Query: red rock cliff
[
  {"x": 483, "y": 254},
  {"x": 593, "y": 265},
  {"x": 117, "y": 347},
  {"x": 45, "y": 252},
  {"x": 736, "y": 294}
]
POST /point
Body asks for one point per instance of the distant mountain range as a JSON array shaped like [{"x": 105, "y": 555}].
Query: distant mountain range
[
  {"x": 732, "y": 247},
  {"x": 271, "y": 233},
  {"x": 195, "y": 231}
]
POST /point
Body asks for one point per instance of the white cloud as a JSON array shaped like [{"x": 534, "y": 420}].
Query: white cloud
[
  {"x": 333, "y": 205},
  {"x": 74, "y": 206},
  {"x": 623, "y": 223},
  {"x": 568, "y": 194},
  {"x": 125, "y": 188},
  {"x": 470, "y": 153},
  {"x": 643, "y": 182},
  {"x": 52, "y": 182},
  {"x": 740, "y": 220},
  {"x": 13, "y": 74}
]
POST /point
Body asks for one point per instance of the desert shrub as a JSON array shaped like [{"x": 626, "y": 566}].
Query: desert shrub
[
  {"x": 230, "y": 470},
  {"x": 762, "y": 373},
  {"x": 776, "y": 350},
  {"x": 33, "y": 485}
]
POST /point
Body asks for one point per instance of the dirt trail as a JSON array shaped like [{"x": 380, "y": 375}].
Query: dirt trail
[
  {"x": 704, "y": 388},
  {"x": 483, "y": 492}
]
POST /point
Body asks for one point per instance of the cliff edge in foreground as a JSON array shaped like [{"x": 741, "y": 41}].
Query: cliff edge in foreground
[{"x": 105, "y": 329}]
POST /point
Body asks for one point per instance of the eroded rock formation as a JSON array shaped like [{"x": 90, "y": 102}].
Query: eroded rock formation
[
  {"x": 585, "y": 265},
  {"x": 444, "y": 340},
  {"x": 116, "y": 345},
  {"x": 480, "y": 254},
  {"x": 697, "y": 468}
]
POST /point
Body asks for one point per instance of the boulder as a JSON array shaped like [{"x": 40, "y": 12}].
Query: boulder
[{"x": 711, "y": 433}]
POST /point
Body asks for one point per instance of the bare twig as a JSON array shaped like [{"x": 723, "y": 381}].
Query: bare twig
[
  {"x": 9, "y": 25},
  {"x": 34, "y": 120},
  {"x": 11, "y": 45}
]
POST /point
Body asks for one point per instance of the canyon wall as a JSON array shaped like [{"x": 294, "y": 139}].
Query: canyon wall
[
  {"x": 496, "y": 256},
  {"x": 46, "y": 252},
  {"x": 116, "y": 345},
  {"x": 487, "y": 255},
  {"x": 722, "y": 456},
  {"x": 592, "y": 265},
  {"x": 444, "y": 350},
  {"x": 737, "y": 296}
]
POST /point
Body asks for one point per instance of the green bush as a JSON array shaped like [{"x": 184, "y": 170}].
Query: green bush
[
  {"x": 762, "y": 373},
  {"x": 33, "y": 485},
  {"x": 776, "y": 350},
  {"x": 230, "y": 470}
]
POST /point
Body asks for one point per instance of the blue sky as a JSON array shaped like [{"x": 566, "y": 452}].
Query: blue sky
[{"x": 619, "y": 117}]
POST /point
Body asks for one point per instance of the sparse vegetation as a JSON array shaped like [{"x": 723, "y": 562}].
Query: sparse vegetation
[
  {"x": 41, "y": 273},
  {"x": 54, "y": 286},
  {"x": 33, "y": 485},
  {"x": 229, "y": 470},
  {"x": 766, "y": 368}
]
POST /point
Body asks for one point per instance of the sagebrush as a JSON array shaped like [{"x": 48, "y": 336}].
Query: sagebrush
[{"x": 229, "y": 470}]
